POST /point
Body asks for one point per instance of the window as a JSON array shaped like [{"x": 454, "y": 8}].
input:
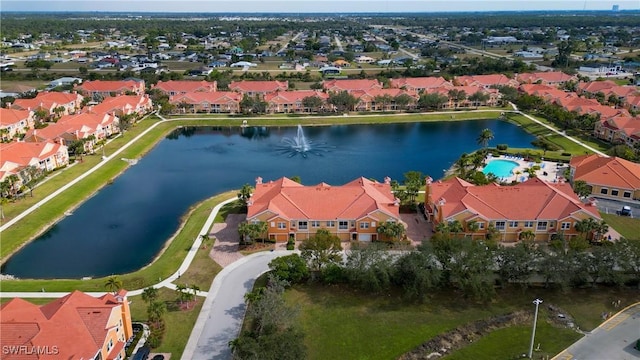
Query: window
[
  {"x": 500, "y": 225},
  {"x": 364, "y": 225},
  {"x": 293, "y": 224},
  {"x": 331, "y": 224},
  {"x": 513, "y": 224},
  {"x": 542, "y": 225},
  {"x": 626, "y": 194},
  {"x": 315, "y": 224},
  {"x": 373, "y": 224},
  {"x": 565, "y": 226},
  {"x": 302, "y": 225},
  {"x": 109, "y": 345},
  {"x": 353, "y": 224},
  {"x": 614, "y": 192},
  {"x": 343, "y": 225},
  {"x": 604, "y": 191},
  {"x": 480, "y": 226},
  {"x": 528, "y": 224},
  {"x": 273, "y": 224},
  {"x": 282, "y": 225}
]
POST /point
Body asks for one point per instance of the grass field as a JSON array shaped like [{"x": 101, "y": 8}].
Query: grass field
[
  {"x": 340, "y": 323},
  {"x": 179, "y": 323},
  {"x": 628, "y": 227}
]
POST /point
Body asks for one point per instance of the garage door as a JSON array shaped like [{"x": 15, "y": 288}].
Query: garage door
[{"x": 364, "y": 237}]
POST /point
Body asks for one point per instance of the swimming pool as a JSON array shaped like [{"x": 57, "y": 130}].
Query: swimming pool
[{"x": 500, "y": 168}]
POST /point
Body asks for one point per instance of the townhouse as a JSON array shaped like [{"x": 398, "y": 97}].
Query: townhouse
[
  {"x": 54, "y": 103},
  {"x": 260, "y": 88},
  {"x": 350, "y": 85},
  {"x": 177, "y": 87},
  {"x": 18, "y": 156},
  {"x": 351, "y": 211},
  {"x": 292, "y": 101},
  {"x": 551, "y": 78},
  {"x": 86, "y": 126},
  {"x": 106, "y": 88},
  {"x": 210, "y": 102},
  {"x": 486, "y": 81},
  {"x": 543, "y": 208},
  {"x": 608, "y": 177},
  {"x": 14, "y": 123},
  {"x": 382, "y": 99},
  {"x": 123, "y": 105},
  {"x": 76, "y": 326},
  {"x": 420, "y": 84}
]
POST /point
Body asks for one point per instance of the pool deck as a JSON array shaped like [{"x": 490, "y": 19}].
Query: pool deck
[{"x": 552, "y": 169}]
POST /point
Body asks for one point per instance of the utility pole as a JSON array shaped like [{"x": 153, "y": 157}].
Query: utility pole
[{"x": 537, "y": 302}]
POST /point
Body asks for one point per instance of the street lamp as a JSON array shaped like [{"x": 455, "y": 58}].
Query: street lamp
[{"x": 537, "y": 302}]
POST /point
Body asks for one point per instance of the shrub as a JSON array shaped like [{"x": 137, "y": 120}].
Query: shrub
[
  {"x": 566, "y": 154},
  {"x": 502, "y": 147},
  {"x": 291, "y": 245}
]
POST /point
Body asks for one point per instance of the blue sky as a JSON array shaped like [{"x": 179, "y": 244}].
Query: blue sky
[{"x": 311, "y": 5}]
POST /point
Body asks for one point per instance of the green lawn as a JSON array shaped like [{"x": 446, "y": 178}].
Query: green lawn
[
  {"x": 179, "y": 323},
  {"x": 512, "y": 342},
  {"x": 161, "y": 268},
  {"x": 628, "y": 227},
  {"x": 384, "y": 326},
  {"x": 201, "y": 271}
]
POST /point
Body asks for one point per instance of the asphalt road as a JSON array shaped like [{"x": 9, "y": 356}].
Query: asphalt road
[
  {"x": 613, "y": 340},
  {"x": 223, "y": 311}
]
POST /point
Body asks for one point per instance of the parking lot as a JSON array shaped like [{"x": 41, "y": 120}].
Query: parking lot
[{"x": 613, "y": 207}]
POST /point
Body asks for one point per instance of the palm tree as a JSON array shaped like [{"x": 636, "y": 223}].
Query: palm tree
[
  {"x": 149, "y": 295},
  {"x": 585, "y": 226},
  {"x": 205, "y": 240},
  {"x": 195, "y": 288},
  {"x": 473, "y": 226},
  {"x": 485, "y": 136},
  {"x": 245, "y": 193},
  {"x": 455, "y": 227},
  {"x": 442, "y": 228},
  {"x": 460, "y": 166},
  {"x": 527, "y": 236},
  {"x": 181, "y": 289},
  {"x": 113, "y": 284},
  {"x": 601, "y": 229},
  {"x": 155, "y": 311}
]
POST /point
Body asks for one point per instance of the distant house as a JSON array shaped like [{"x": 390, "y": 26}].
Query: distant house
[
  {"x": 64, "y": 81},
  {"x": 243, "y": 64},
  {"x": 350, "y": 85},
  {"x": 107, "y": 88},
  {"x": 351, "y": 211},
  {"x": 18, "y": 156},
  {"x": 330, "y": 70},
  {"x": 175, "y": 87},
  {"x": 608, "y": 177},
  {"x": 551, "y": 208},
  {"x": 76, "y": 326},
  {"x": 252, "y": 88},
  {"x": 14, "y": 122},
  {"x": 210, "y": 102}
]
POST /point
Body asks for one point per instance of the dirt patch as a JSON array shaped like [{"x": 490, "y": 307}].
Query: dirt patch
[{"x": 458, "y": 338}]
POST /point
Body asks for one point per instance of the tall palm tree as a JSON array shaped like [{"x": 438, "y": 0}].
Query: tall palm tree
[
  {"x": 245, "y": 193},
  {"x": 485, "y": 136},
  {"x": 155, "y": 311},
  {"x": 113, "y": 284},
  {"x": 149, "y": 295},
  {"x": 195, "y": 288},
  {"x": 181, "y": 289},
  {"x": 205, "y": 240},
  {"x": 455, "y": 227}
]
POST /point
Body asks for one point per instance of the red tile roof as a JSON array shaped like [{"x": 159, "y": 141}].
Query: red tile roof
[
  {"x": 103, "y": 86},
  {"x": 122, "y": 103},
  {"x": 12, "y": 116},
  {"x": 545, "y": 77},
  {"x": 258, "y": 86},
  {"x": 49, "y": 100},
  {"x": 76, "y": 325},
  {"x": 181, "y": 86},
  {"x": 26, "y": 153},
  {"x": 372, "y": 93},
  {"x": 544, "y": 201},
  {"x": 351, "y": 85},
  {"x": 354, "y": 200},
  {"x": 596, "y": 86},
  {"x": 420, "y": 83},
  {"x": 290, "y": 97},
  {"x": 485, "y": 80},
  {"x": 613, "y": 171},
  {"x": 218, "y": 97}
]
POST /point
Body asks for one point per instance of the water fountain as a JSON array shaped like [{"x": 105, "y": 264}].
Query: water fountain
[{"x": 300, "y": 145}]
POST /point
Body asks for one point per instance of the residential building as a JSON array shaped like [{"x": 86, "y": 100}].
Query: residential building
[
  {"x": 553, "y": 78},
  {"x": 261, "y": 88},
  {"x": 123, "y": 105},
  {"x": 70, "y": 128},
  {"x": 214, "y": 102},
  {"x": 420, "y": 84},
  {"x": 18, "y": 156},
  {"x": 291, "y": 101},
  {"x": 351, "y": 211},
  {"x": 176, "y": 87},
  {"x": 14, "y": 122},
  {"x": 54, "y": 103},
  {"x": 350, "y": 85},
  {"x": 619, "y": 129},
  {"x": 534, "y": 205},
  {"x": 486, "y": 81},
  {"x": 76, "y": 326},
  {"x": 370, "y": 100},
  {"x": 608, "y": 177},
  {"x": 106, "y": 88}
]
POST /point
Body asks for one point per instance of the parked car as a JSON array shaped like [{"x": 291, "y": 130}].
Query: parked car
[{"x": 626, "y": 211}]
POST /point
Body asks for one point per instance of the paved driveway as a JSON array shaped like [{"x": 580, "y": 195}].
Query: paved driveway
[
  {"x": 417, "y": 227},
  {"x": 225, "y": 249},
  {"x": 613, "y": 340}
]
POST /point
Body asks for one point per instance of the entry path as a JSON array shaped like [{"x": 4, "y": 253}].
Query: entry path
[
  {"x": 515, "y": 109},
  {"x": 223, "y": 311},
  {"x": 613, "y": 339}
]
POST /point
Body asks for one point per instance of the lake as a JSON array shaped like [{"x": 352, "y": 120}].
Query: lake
[{"x": 124, "y": 226}]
